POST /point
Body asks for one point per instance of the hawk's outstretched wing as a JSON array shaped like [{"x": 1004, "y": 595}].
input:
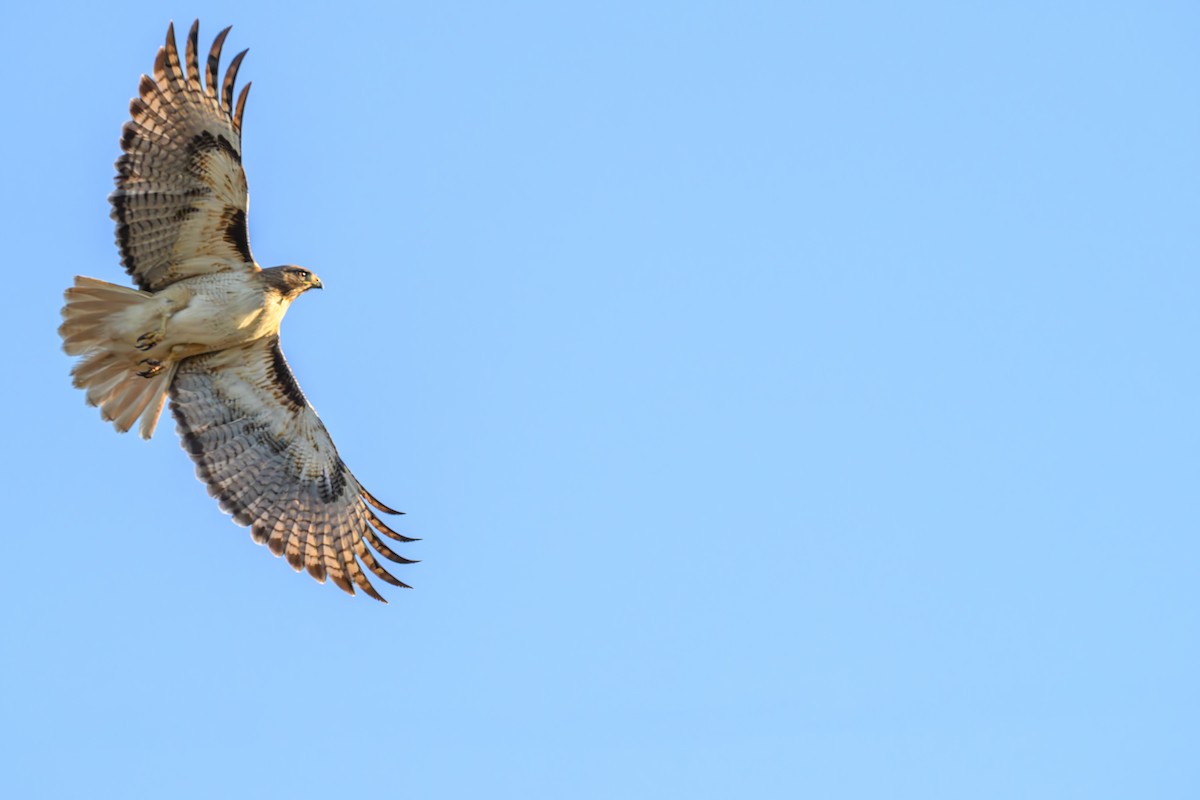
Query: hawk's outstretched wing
[
  {"x": 181, "y": 201},
  {"x": 265, "y": 455}
]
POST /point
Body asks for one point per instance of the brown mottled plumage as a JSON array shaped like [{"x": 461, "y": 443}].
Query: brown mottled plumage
[{"x": 203, "y": 327}]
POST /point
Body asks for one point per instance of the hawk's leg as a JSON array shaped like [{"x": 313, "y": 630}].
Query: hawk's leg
[
  {"x": 150, "y": 339},
  {"x": 153, "y": 367}
]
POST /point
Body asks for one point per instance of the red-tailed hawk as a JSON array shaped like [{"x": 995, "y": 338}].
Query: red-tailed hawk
[{"x": 203, "y": 326}]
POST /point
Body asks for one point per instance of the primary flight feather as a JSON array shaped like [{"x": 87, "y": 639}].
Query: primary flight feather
[{"x": 203, "y": 328}]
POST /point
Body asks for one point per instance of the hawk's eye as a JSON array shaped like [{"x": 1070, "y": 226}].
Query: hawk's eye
[{"x": 303, "y": 274}]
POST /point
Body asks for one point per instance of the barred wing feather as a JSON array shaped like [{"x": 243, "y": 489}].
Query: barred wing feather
[
  {"x": 181, "y": 201},
  {"x": 265, "y": 455}
]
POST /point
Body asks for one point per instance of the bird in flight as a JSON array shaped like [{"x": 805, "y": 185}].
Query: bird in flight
[{"x": 202, "y": 326}]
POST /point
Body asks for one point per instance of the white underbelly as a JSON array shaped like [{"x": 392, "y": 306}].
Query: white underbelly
[{"x": 213, "y": 315}]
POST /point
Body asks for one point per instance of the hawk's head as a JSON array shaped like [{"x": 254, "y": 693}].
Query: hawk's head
[{"x": 291, "y": 281}]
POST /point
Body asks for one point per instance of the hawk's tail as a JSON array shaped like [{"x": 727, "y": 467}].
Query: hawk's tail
[{"x": 119, "y": 379}]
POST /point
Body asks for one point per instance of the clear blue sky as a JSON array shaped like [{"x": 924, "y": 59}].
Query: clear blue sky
[{"x": 795, "y": 401}]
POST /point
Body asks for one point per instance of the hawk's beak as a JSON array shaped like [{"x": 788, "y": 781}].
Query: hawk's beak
[{"x": 316, "y": 283}]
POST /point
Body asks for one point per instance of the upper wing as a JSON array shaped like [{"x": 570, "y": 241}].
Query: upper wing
[
  {"x": 265, "y": 455},
  {"x": 181, "y": 201}
]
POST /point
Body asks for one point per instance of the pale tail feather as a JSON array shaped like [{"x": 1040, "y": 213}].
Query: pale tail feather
[{"x": 109, "y": 370}]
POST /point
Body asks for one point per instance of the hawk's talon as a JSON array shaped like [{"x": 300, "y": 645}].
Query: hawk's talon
[
  {"x": 153, "y": 367},
  {"x": 148, "y": 340}
]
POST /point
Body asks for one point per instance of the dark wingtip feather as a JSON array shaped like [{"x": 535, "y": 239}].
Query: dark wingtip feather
[
  {"x": 214, "y": 62},
  {"x": 193, "y": 62},
  {"x": 146, "y": 86},
  {"x": 230, "y": 77},
  {"x": 174, "y": 73},
  {"x": 389, "y": 578},
  {"x": 241, "y": 106},
  {"x": 382, "y": 527},
  {"x": 384, "y": 550},
  {"x": 372, "y": 564},
  {"x": 342, "y": 583},
  {"x": 370, "y": 498},
  {"x": 295, "y": 559}
]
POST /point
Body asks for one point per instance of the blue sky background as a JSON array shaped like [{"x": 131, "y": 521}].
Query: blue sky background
[{"x": 795, "y": 400}]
